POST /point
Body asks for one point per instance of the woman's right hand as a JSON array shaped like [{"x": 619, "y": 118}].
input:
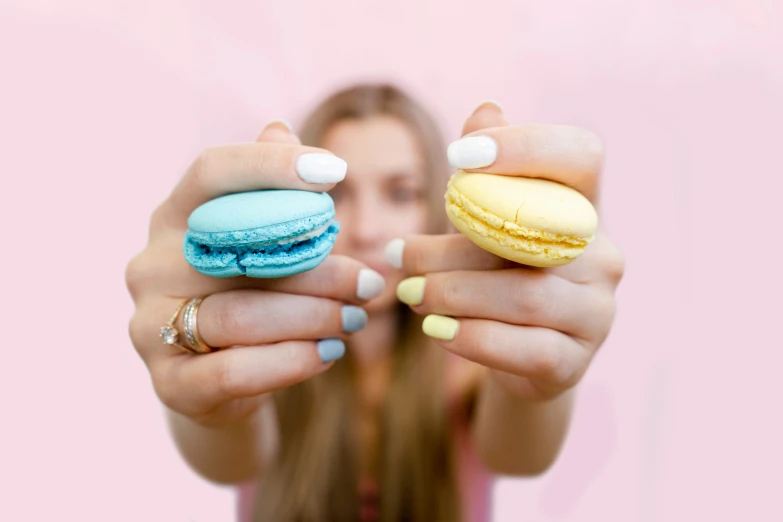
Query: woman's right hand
[{"x": 267, "y": 331}]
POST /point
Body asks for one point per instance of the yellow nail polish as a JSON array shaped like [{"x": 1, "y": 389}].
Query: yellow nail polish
[
  {"x": 440, "y": 327},
  {"x": 411, "y": 291}
]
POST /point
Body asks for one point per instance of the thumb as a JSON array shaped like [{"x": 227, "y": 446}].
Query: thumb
[
  {"x": 489, "y": 113},
  {"x": 278, "y": 131}
]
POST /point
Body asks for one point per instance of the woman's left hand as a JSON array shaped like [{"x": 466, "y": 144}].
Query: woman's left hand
[{"x": 536, "y": 329}]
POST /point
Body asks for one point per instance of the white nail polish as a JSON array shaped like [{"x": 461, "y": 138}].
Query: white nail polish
[
  {"x": 370, "y": 284},
  {"x": 472, "y": 152},
  {"x": 321, "y": 168},
  {"x": 393, "y": 252}
]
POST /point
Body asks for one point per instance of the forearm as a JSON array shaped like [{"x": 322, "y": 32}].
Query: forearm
[
  {"x": 228, "y": 454},
  {"x": 515, "y": 436}
]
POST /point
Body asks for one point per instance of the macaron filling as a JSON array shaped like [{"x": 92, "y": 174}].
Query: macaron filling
[{"x": 510, "y": 234}]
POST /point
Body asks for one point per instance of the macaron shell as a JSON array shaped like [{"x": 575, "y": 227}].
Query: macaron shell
[
  {"x": 537, "y": 204},
  {"x": 253, "y": 210}
]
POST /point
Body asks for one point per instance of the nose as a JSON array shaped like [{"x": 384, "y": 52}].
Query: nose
[{"x": 367, "y": 226}]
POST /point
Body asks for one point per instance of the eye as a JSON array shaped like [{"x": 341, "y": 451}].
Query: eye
[{"x": 403, "y": 194}]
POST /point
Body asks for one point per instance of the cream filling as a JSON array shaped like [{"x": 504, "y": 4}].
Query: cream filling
[{"x": 304, "y": 237}]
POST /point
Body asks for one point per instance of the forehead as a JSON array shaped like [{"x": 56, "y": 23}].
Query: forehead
[{"x": 376, "y": 144}]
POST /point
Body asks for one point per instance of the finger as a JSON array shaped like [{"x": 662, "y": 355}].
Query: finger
[
  {"x": 278, "y": 131},
  {"x": 517, "y": 296},
  {"x": 489, "y": 113},
  {"x": 423, "y": 254},
  {"x": 253, "y": 317},
  {"x": 251, "y": 166},
  {"x": 602, "y": 264},
  {"x": 338, "y": 277},
  {"x": 562, "y": 153},
  {"x": 197, "y": 382},
  {"x": 546, "y": 355}
]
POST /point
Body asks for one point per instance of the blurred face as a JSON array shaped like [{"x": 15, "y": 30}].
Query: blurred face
[{"x": 383, "y": 196}]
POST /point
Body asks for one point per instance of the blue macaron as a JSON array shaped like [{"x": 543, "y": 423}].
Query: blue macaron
[{"x": 266, "y": 233}]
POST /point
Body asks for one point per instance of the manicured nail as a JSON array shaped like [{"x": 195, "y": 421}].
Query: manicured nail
[
  {"x": 280, "y": 122},
  {"x": 354, "y": 318},
  {"x": 411, "y": 291},
  {"x": 488, "y": 102},
  {"x": 393, "y": 252},
  {"x": 330, "y": 350},
  {"x": 321, "y": 168},
  {"x": 472, "y": 152},
  {"x": 370, "y": 284},
  {"x": 440, "y": 327}
]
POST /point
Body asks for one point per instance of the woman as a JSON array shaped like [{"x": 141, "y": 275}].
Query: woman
[{"x": 398, "y": 429}]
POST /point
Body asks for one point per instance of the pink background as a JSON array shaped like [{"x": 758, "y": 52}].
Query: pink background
[{"x": 104, "y": 103}]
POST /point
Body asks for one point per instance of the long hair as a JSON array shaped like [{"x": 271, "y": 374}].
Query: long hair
[{"x": 314, "y": 474}]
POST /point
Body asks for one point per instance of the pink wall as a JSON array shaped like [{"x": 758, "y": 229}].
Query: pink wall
[{"x": 104, "y": 103}]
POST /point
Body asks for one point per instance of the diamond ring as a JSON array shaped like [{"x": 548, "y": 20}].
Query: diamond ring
[{"x": 169, "y": 332}]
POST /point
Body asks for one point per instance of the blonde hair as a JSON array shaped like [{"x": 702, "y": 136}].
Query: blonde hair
[{"x": 314, "y": 476}]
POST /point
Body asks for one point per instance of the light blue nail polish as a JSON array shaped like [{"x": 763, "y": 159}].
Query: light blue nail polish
[
  {"x": 330, "y": 350},
  {"x": 354, "y": 318}
]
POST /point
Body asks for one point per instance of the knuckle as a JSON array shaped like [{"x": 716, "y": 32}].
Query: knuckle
[
  {"x": 296, "y": 366},
  {"x": 450, "y": 294},
  {"x": 604, "y": 309},
  {"x": 163, "y": 386},
  {"x": 137, "y": 274},
  {"x": 530, "y": 301},
  {"x": 606, "y": 306},
  {"x": 417, "y": 258},
  {"x": 158, "y": 219},
  {"x": 136, "y": 331},
  {"x": 615, "y": 266},
  {"x": 260, "y": 159},
  {"x": 201, "y": 167},
  {"x": 548, "y": 361},
  {"x": 227, "y": 380}
]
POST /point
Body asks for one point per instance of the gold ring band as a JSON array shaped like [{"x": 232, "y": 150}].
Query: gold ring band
[{"x": 190, "y": 320}]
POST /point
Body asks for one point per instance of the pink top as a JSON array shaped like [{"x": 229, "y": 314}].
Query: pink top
[{"x": 475, "y": 485}]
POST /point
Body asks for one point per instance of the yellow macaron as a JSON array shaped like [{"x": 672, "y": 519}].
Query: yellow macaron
[{"x": 531, "y": 221}]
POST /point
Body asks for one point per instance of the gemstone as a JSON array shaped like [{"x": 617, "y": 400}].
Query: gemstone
[{"x": 169, "y": 334}]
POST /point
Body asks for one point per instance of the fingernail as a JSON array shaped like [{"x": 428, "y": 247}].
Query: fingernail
[
  {"x": 280, "y": 122},
  {"x": 488, "y": 102},
  {"x": 321, "y": 168},
  {"x": 472, "y": 152},
  {"x": 330, "y": 350},
  {"x": 370, "y": 284},
  {"x": 440, "y": 327},
  {"x": 393, "y": 252},
  {"x": 411, "y": 291},
  {"x": 354, "y": 318}
]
